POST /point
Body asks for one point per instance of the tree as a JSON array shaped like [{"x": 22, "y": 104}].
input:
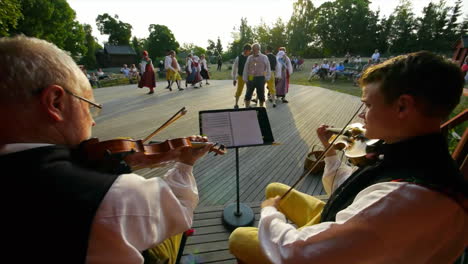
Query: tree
[
  {"x": 243, "y": 36},
  {"x": 278, "y": 37},
  {"x": 53, "y": 21},
  {"x": 402, "y": 37},
  {"x": 219, "y": 47},
  {"x": 262, "y": 34},
  {"x": 160, "y": 40},
  {"x": 192, "y": 49},
  {"x": 118, "y": 31},
  {"x": 211, "y": 49},
  {"x": 89, "y": 58},
  {"x": 138, "y": 45},
  {"x": 10, "y": 13},
  {"x": 301, "y": 26}
]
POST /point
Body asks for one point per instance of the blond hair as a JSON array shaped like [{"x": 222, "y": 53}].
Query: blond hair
[{"x": 28, "y": 65}]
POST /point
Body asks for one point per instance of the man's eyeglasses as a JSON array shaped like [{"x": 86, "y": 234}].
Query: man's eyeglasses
[{"x": 94, "y": 108}]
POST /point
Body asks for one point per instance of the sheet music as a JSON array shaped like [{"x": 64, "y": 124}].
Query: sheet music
[
  {"x": 246, "y": 129},
  {"x": 237, "y": 128},
  {"x": 217, "y": 126}
]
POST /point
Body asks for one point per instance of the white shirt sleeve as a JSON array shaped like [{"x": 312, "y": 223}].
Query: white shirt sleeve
[
  {"x": 290, "y": 68},
  {"x": 138, "y": 213},
  {"x": 335, "y": 173},
  {"x": 189, "y": 65},
  {"x": 167, "y": 62},
  {"x": 235, "y": 67},
  {"x": 245, "y": 74},
  {"x": 390, "y": 222}
]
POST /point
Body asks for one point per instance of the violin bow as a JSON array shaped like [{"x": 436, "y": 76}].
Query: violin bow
[
  {"x": 176, "y": 116},
  {"x": 322, "y": 156}
]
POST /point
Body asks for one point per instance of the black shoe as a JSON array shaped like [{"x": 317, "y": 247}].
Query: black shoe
[
  {"x": 151, "y": 92},
  {"x": 285, "y": 101},
  {"x": 207, "y": 83},
  {"x": 254, "y": 100},
  {"x": 236, "y": 107},
  {"x": 170, "y": 89},
  {"x": 181, "y": 89},
  {"x": 274, "y": 105}
]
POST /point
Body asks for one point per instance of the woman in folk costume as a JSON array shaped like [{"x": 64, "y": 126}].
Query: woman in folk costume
[
  {"x": 204, "y": 68},
  {"x": 285, "y": 69},
  {"x": 148, "y": 78},
  {"x": 193, "y": 71}
]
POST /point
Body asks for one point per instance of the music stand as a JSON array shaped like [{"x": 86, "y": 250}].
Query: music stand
[{"x": 237, "y": 128}]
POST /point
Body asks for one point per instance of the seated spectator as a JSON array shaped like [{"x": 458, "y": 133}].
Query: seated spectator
[
  {"x": 340, "y": 70},
  {"x": 125, "y": 70},
  {"x": 323, "y": 71},
  {"x": 357, "y": 76},
  {"x": 93, "y": 80},
  {"x": 314, "y": 71},
  {"x": 376, "y": 56},
  {"x": 331, "y": 71},
  {"x": 133, "y": 71},
  {"x": 101, "y": 75}
]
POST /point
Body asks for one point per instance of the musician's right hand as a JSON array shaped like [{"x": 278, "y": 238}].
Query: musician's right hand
[{"x": 324, "y": 135}]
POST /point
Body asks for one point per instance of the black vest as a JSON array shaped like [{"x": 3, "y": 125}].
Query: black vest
[
  {"x": 241, "y": 64},
  {"x": 272, "y": 59},
  {"x": 424, "y": 160},
  {"x": 51, "y": 205}
]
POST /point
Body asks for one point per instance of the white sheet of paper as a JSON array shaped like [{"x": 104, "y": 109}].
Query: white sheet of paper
[
  {"x": 245, "y": 128},
  {"x": 217, "y": 126}
]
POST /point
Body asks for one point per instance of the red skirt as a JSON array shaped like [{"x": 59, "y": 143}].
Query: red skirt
[{"x": 148, "y": 79}]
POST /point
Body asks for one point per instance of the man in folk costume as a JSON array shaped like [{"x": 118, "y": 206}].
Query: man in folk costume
[
  {"x": 148, "y": 79},
  {"x": 256, "y": 72},
  {"x": 238, "y": 70},
  {"x": 275, "y": 70},
  {"x": 87, "y": 215},
  {"x": 408, "y": 206},
  {"x": 285, "y": 70},
  {"x": 174, "y": 69},
  {"x": 204, "y": 69},
  {"x": 167, "y": 64}
]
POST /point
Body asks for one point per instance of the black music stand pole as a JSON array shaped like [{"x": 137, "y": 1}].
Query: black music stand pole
[{"x": 237, "y": 214}]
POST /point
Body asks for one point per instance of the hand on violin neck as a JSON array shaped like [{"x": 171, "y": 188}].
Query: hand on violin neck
[{"x": 190, "y": 155}]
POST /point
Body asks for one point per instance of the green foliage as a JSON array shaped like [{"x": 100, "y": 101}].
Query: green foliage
[
  {"x": 219, "y": 47},
  {"x": 301, "y": 26},
  {"x": 10, "y": 13},
  {"x": 244, "y": 36},
  {"x": 211, "y": 49},
  {"x": 89, "y": 58},
  {"x": 160, "y": 40},
  {"x": 138, "y": 45},
  {"x": 193, "y": 49},
  {"x": 53, "y": 21},
  {"x": 118, "y": 31}
]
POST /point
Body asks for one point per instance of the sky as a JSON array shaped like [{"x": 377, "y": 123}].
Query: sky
[{"x": 196, "y": 21}]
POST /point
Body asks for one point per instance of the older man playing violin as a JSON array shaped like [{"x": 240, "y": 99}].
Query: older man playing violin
[
  {"x": 61, "y": 212},
  {"x": 408, "y": 207}
]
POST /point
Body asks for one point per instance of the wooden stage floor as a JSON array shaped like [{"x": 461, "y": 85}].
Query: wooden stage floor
[{"x": 130, "y": 112}]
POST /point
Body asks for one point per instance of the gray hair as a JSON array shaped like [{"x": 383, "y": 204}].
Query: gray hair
[
  {"x": 257, "y": 45},
  {"x": 28, "y": 65}
]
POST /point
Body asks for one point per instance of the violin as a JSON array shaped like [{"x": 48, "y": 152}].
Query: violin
[
  {"x": 358, "y": 149},
  {"x": 129, "y": 154},
  {"x": 125, "y": 155}
]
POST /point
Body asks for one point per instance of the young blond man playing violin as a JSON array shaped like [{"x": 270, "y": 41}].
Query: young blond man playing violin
[
  {"x": 84, "y": 215},
  {"x": 408, "y": 207}
]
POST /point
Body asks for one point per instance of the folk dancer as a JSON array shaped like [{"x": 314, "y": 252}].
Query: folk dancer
[
  {"x": 284, "y": 72},
  {"x": 204, "y": 69},
  {"x": 256, "y": 72},
  {"x": 148, "y": 79},
  {"x": 238, "y": 70}
]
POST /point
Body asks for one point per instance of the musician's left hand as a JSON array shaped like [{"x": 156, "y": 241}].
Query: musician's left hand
[
  {"x": 190, "y": 155},
  {"x": 272, "y": 202}
]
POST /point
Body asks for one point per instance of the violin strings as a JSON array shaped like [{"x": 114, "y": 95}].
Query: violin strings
[{"x": 322, "y": 156}]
